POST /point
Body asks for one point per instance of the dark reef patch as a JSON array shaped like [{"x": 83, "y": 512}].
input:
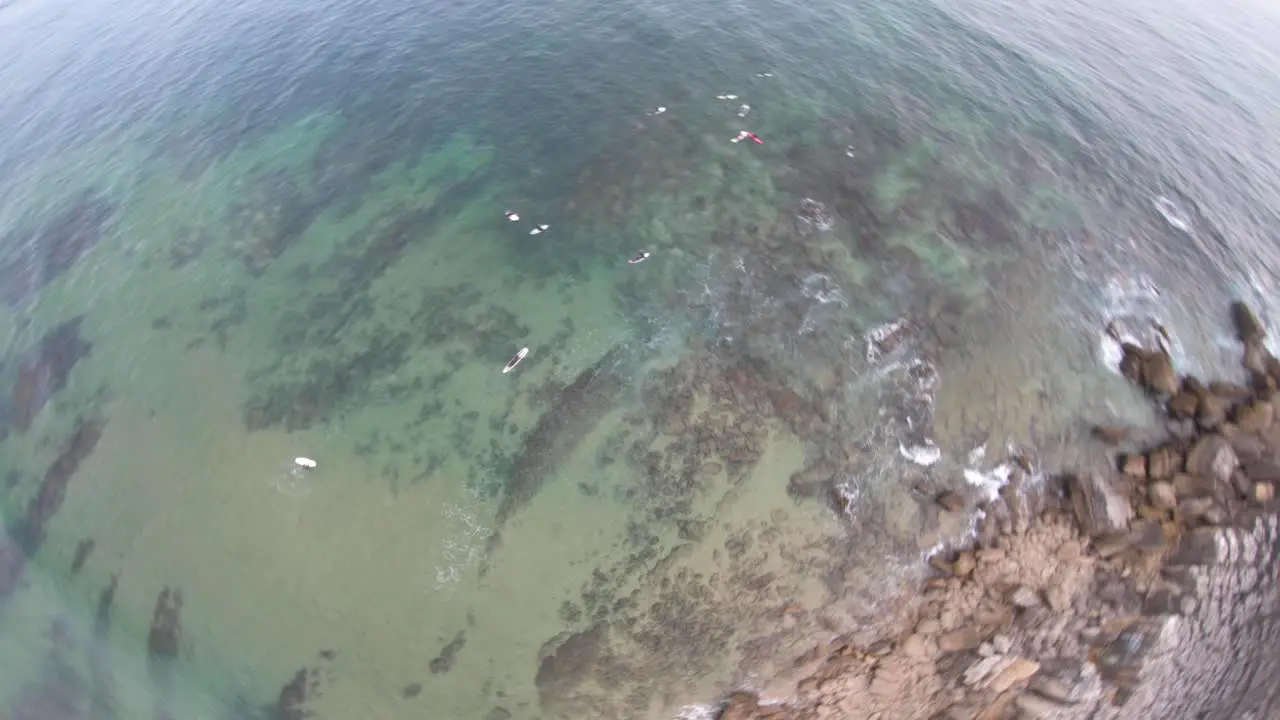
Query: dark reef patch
[
  {"x": 102, "y": 616},
  {"x": 49, "y": 252},
  {"x": 443, "y": 662},
  {"x": 12, "y": 565},
  {"x": 166, "y": 626},
  {"x": 275, "y": 212},
  {"x": 58, "y": 692},
  {"x": 567, "y": 662},
  {"x": 316, "y": 373},
  {"x": 326, "y": 382},
  {"x": 574, "y": 410},
  {"x": 30, "y": 533},
  {"x": 83, "y": 549},
  {"x": 42, "y": 372},
  {"x": 291, "y": 704}
]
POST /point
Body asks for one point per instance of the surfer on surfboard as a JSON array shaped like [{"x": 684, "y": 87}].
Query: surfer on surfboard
[
  {"x": 515, "y": 360},
  {"x": 639, "y": 258}
]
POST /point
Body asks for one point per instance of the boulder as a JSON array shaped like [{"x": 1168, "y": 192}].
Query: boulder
[
  {"x": 1185, "y": 485},
  {"x": 1017, "y": 671},
  {"x": 1099, "y": 509},
  {"x": 1254, "y": 416},
  {"x": 1134, "y": 465},
  {"x": 1183, "y": 405},
  {"x": 966, "y": 638},
  {"x": 1035, "y": 706},
  {"x": 1132, "y": 362},
  {"x": 1024, "y": 597},
  {"x": 915, "y": 647},
  {"x": 1263, "y": 492},
  {"x": 1110, "y": 435},
  {"x": 1213, "y": 458},
  {"x": 950, "y": 501},
  {"x": 1163, "y": 463},
  {"x": 740, "y": 706},
  {"x": 1230, "y": 390},
  {"x": 1212, "y": 412},
  {"x": 1163, "y": 496},
  {"x": 1262, "y": 471},
  {"x": 1192, "y": 509},
  {"x": 1158, "y": 375},
  {"x": 1248, "y": 328}
]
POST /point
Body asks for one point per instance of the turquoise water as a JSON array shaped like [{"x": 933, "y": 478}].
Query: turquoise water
[{"x": 236, "y": 234}]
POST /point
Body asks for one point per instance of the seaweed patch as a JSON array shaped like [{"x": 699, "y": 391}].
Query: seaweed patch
[
  {"x": 30, "y": 533},
  {"x": 49, "y": 252},
  {"x": 42, "y": 372},
  {"x": 560, "y": 428}
]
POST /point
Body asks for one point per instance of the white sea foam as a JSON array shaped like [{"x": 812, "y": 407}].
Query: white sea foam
[
  {"x": 462, "y": 550},
  {"x": 697, "y": 712},
  {"x": 925, "y": 454},
  {"x": 822, "y": 288},
  {"x": 815, "y": 214},
  {"x": 292, "y": 481},
  {"x": 884, "y": 339},
  {"x": 989, "y": 482}
]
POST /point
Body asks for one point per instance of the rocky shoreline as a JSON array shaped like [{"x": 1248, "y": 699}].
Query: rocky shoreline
[{"x": 1144, "y": 585}]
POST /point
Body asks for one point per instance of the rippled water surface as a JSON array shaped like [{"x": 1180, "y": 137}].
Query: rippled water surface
[{"x": 232, "y": 234}]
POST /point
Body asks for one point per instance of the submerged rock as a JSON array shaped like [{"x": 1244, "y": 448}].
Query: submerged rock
[
  {"x": 42, "y": 372},
  {"x": 83, "y": 548},
  {"x": 30, "y": 533},
  {"x": 443, "y": 662},
  {"x": 566, "y": 665},
  {"x": 166, "y": 626},
  {"x": 46, "y": 254},
  {"x": 558, "y": 431},
  {"x": 1248, "y": 329}
]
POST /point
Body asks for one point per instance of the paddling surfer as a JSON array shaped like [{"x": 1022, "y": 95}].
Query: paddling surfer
[{"x": 639, "y": 258}]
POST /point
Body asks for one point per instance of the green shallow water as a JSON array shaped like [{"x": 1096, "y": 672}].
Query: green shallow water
[{"x": 641, "y": 514}]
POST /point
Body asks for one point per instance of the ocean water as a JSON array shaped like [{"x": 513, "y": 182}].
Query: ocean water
[{"x": 232, "y": 234}]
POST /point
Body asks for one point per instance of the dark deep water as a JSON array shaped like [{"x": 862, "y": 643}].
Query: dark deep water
[{"x": 236, "y": 233}]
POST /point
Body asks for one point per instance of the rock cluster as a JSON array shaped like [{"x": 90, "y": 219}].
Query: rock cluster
[{"x": 1086, "y": 598}]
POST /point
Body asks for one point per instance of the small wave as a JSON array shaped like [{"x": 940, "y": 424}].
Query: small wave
[
  {"x": 291, "y": 481},
  {"x": 1171, "y": 213}
]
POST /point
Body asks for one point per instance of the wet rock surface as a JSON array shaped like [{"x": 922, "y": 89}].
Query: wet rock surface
[{"x": 1113, "y": 599}]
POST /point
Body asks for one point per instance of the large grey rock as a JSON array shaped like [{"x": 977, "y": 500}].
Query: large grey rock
[
  {"x": 1100, "y": 509},
  {"x": 1212, "y": 457},
  {"x": 1248, "y": 328}
]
